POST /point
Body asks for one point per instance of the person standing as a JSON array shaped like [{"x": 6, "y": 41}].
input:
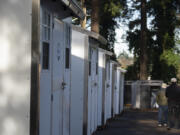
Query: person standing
[
  {"x": 163, "y": 107},
  {"x": 173, "y": 95}
]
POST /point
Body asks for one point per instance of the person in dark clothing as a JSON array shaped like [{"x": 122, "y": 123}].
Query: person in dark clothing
[{"x": 173, "y": 95}]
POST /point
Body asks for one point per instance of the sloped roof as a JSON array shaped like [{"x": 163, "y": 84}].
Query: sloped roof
[
  {"x": 74, "y": 7},
  {"x": 91, "y": 34}
]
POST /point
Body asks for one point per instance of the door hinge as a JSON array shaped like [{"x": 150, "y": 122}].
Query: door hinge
[{"x": 51, "y": 97}]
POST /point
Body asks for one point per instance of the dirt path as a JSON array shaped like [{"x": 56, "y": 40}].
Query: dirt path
[{"x": 136, "y": 123}]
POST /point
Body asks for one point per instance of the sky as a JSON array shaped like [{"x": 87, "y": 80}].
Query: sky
[{"x": 120, "y": 44}]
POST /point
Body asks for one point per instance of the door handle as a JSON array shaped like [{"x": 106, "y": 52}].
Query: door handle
[
  {"x": 95, "y": 84},
  {"x": 63, "y": 84}
]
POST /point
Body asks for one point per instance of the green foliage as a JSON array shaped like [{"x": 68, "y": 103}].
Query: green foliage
[
  {"x": 113, "y": 7},
  {"x": 171, "y": 58},
  {"x": 133, "y": 71},
  {"x": 163, "y": 60},
  {"x": 110, "y": 13}
]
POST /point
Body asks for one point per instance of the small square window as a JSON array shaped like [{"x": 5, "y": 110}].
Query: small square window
[
  {"x": 45, "y": 58},
  {"x": 96, "y": 68},
  {"x": 67, "y": 58},
  {"x": 89, "y": 68}
]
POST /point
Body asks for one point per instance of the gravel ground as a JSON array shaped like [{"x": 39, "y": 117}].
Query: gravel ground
[{"x": 134, "y": 122}]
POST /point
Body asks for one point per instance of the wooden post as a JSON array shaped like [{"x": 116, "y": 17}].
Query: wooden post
[{"x": 35, "y": 69}]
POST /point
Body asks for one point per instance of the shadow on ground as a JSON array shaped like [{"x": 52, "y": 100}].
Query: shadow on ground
[{"x": 136, "y": 123}]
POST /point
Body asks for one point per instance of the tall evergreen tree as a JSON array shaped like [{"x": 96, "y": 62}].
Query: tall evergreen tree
[
  {"x": 164, "y": 24},
  {"x": 110, "y": 15},
  {"x": 95, "y": 16},
  {"x": 143, "y": 42},
  {"x": 103, "y": 17},
  {"x": 84, "y": 21},
  {"x": 160, "y": 37}
]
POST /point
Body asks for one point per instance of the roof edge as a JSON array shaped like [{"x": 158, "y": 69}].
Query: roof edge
[
  {"x": 105, "y": 51},
  {"x": 75, "y": 8},
  {"x": 94, "y": 35},
  {"x": 122, "y": 70}
]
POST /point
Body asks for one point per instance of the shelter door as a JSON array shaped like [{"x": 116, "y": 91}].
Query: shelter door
[
  {"x": 93, "y": 85},
  {"x": 60, "y": 80},
  {"x": 107, "y": 91},
  {"x": 116, "y": 93}
]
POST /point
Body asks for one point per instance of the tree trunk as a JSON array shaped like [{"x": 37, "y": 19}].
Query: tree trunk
[
  {"x": 83, "y": 22},
  {"x": 95, "y": 16},
  {"x": 143, "y": 42}
]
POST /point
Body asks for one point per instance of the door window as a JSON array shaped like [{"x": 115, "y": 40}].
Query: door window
[
  {"x": 90, "y": 58},
  {"x": 45, "y": 61},
  {"x": 96, "y": 68},
  {"x": 45, "y": 38},
  {"x": 67, "y": 58},
  {"x": 46, "y": 21}
]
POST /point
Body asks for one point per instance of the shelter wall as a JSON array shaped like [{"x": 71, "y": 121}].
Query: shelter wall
[
  {"x": 78, "y": 81},
  {"x": 15, "y": 63}
]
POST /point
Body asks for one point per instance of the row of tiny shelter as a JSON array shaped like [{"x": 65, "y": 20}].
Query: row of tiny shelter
[
  {"x": 141, "y": 94},
  {"x": 55, "y": 80}
]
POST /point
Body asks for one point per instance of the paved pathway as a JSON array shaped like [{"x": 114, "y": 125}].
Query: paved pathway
[{"x": 136, "y": 123}]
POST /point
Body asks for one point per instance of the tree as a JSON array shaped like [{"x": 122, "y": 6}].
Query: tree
[
  {"x": 137, "y": 36},
  {"x": 160, "y": 37},
  {"x": 104, "y": 18},
  {"x": 95, "y": 16},
  {"x": 84, "y": 21},
  {"x": 164, "y": 24},
  {"x": 143, "y": 42},
  {"x": 110, "y": 15}
]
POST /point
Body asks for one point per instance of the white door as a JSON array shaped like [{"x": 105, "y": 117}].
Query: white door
[
  {"x": 93, "y": 87},
  {"x": 45, "y": 74},
  {"x": 122, "y": 93},
  {"x": 107, "y": 91},
  {"x": 60, "y": 79},
  {"x": 110, "y": 91},
  {"x": 116, "y": 92},
  {"x": 100, "y": 86},
  {"x": 90, "y": 123}
]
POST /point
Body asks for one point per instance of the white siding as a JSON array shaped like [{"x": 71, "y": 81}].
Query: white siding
[
  {"x": 15, "y": 58},
  {"x": 77, "y": 82}
]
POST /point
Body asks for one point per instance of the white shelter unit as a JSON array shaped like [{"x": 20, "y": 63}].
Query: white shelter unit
[
  {"x": 103, "y": 56},
  {"x": 93, "y": 85},
  {"x": 34, "y": 68},
  {"x": 143, "y": 93},
  {"x": 121, "y": 73},
  {"x": 115, "y": 90},
  {"x": 79, "y": 79},
  {"x": 108, "y": 90},
  {"x": 84, "y": 80},
  {"x": 54, "y": 79},
  {"x": 114, "y": 93}
]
